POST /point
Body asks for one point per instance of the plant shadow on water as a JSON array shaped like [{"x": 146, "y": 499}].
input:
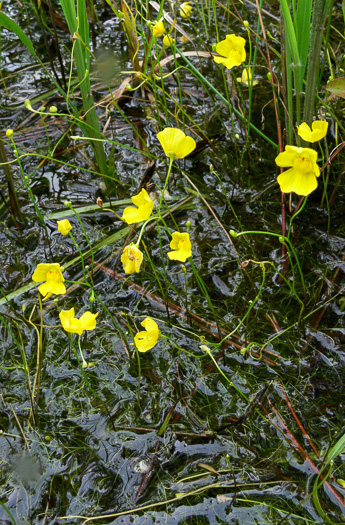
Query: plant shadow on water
[{"x": 193, "y": 431}]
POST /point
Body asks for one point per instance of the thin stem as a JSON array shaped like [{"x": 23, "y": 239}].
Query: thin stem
[{"x": 84, "y": 363}]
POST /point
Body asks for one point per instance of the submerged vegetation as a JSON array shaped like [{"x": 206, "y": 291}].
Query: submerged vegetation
[{"x": 172, "y": 294}]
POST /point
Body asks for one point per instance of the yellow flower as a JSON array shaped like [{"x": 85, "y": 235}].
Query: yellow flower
[
  {"x": 142, "y": 212},
  {"x": 181, "y": 244},
  {"x": 185, "y": 9},
  {"x": 131, "y": 259},
  {"x": 144, "y": 341},
  {"x": 51, "y": 273},
  {"x": 69, "y": 322},
  {"x": 175, "y": 143},
  {"x": 64, "y": 227},
  {"x": 301, "y": 177},
  {"x": 244, "y": 78},
  {"x": 77, "y": 326},
  {"x": 158, "y": 29},
  {"x": 317, "y": 132},
  {"x": 231, "y": 50},
  {"x": 168, "y": 41}
]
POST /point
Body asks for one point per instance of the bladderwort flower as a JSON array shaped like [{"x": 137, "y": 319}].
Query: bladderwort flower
[
  {"x": 158, "y": 29},
  {"x": 147, "y": 339},
  {"x": 231, "y": 51},
  {"x": 54, "y": 280},
  {"x": 182, "y": 247},
  {"x": 246, "y": 77},
  {"x": 317, "y": 132},
  {"x": 186, "y": 9},
  {"x": 64, "y": 226},
  {"x": 131, "y": 259},
  {"x": 175, "y": 143},
  {"x": 143, "y": 211},
  {"x": 168, "y": 41},
  {"x": 301, "y": 178},
  {"x": 76, "y": 326}
]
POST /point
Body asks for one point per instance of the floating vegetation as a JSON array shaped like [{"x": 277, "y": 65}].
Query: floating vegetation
[{"x": 172, "y": 294}]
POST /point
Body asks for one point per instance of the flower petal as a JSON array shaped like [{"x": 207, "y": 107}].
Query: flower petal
[
  {"x": 67, "y": 314},
  {"x": 88, "y": 321},
  {"x": 58, "y": 288},
  {"x": 305, "y": 132},
  {"x": 150, "y": 325},
  {"x": 288, "y": 157},
  {"x": 303, "y": 185},
  {"x": 169, "y": 137},
  {"x": 131, "y": 215},
  {"x": 46, "y": 288},
  {"x": 142, "y": 198},
  {"x": 185, "y": 147},
  {"x": 224, "y": 47},
  {"x": 40, "y": 273},
  {"x": 219, "y": 60}
]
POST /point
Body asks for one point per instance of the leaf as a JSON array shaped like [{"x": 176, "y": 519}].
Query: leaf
[
  {"x": 11, "y": 25},
  {"x": 337, "y": 87},
  {"x": 208, "y": 467}
]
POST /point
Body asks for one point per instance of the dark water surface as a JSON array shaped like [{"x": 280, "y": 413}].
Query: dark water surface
[{"x": 218, "y": 461}]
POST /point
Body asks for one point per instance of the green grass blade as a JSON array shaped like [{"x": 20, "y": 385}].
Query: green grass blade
[
  {"x": 11, "y": 25},
  {"x": 303, "y": 18}
]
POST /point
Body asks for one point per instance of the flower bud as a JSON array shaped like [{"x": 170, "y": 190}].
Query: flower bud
[
  {"x": 28, "y": 105},
  {"x": 68, "y": 204},
  {"x": 129, "y": 87},
  {"x": 269, "y": 76},
  {"x": 99, "y": 202},
  {"x": 281, "y": 239},
  {"x": 75, "y": 137},
  {"x": 211, "y": 168},
  {"x": 214, "y": 45},
  {"x": 205, "y": 348},
  {"x": 9, "y": 133},
  {"x": 92, "y": 297},
  {"x": 246, "y": 24},
  {"x": 233, "y": 234},
  {"x": 53, "y": 109},
  {"x": 188, "y": 226}
]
